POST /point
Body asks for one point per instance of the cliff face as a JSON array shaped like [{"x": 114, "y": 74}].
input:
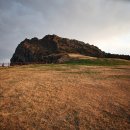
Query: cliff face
[{"x": 53, "y": 49}]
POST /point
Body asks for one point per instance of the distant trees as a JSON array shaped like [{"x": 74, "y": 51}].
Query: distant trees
[{"x": 109, "y": 55}]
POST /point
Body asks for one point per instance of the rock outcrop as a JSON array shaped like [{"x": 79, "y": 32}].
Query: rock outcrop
[{"x": 54, "y": 49}]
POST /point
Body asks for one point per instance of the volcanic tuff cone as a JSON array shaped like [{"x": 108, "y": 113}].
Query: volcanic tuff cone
[{"x": 54, "y": 49}]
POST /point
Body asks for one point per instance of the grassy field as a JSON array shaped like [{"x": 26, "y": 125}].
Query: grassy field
[
  {"x": 82, "y": 95},
  {"x": 99, "y": 62}
]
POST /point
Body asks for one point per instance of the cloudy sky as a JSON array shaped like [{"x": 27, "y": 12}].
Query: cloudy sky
[{"x": 104, "y": 23}]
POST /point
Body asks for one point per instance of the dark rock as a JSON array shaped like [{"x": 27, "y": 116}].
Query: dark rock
[{"x": 54, "y": 49}]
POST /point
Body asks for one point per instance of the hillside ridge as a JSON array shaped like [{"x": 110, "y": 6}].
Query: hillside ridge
[{"x": 55, "y": 49}]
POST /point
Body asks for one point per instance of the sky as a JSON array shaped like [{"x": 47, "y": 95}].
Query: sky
[{"x": 103, "y": 23}]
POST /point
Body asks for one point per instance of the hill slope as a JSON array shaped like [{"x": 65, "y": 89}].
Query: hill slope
[{"x": 54, "y": 49}]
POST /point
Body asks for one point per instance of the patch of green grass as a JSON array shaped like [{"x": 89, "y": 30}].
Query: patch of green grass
[
  {"x": 83, "y": 72},
  {"x": 98, "y": 62},
  {"x": 47, "y": 67}
]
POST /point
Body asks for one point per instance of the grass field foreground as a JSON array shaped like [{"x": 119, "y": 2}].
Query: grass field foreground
[{"x": 65, "y": 97}]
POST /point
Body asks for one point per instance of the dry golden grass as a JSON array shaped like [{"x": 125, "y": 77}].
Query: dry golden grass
[
  {"x": 65, "y": 97},
  {"x": 79, "y": 56}
]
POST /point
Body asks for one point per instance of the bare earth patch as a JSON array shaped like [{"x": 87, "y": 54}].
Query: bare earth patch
[{"x": 65, "y": 97}]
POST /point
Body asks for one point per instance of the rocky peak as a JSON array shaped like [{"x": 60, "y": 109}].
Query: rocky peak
[
  {"x": 52, "y": 37},
  {"x": 52, "y": 48}
]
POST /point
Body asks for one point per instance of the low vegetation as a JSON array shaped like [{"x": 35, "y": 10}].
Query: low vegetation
[
  {"x": 99, "y": 62},
  {"x": 81, "y": 95}
]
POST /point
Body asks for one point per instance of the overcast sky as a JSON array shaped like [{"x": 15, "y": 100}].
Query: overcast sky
[{"x": 104, "y": 23}]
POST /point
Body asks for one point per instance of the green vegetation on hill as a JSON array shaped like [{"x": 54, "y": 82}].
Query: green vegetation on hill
[{"x": 99, "y": 62}]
